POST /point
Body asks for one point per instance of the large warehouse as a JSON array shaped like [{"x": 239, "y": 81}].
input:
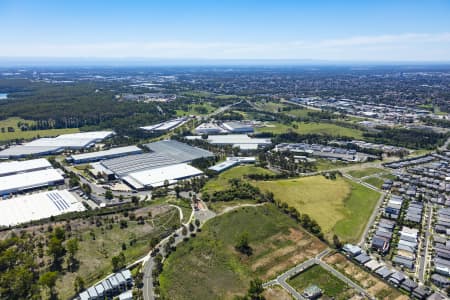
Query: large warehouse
[
  {"x": 30, "y": 180},
  {"x": 136, "y": 170},
  {"x": 37, "y": 206},
  {"x": 102, "y": 155},
  {"x": 157, "y": 177},
  {"x": 14, "y": 167},
  {"x": 242, "y": 141},
  {"x": 47, "y": 146}
]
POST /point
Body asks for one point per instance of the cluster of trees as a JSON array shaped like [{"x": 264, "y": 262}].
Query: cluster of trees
[
  {"x": 285, "y": 161},
  {"x": 265, "y": 177},
  {"x": 239, "y": 190},
  {"x": 408, "y": 138}
]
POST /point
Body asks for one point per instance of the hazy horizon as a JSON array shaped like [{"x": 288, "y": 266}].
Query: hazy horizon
[{"x": 351, "y": 31}]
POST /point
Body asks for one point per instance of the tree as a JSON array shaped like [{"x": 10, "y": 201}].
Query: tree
[
  {"x": 78, "y": 284},
  {"x": 118, "y": 262},
  {"x": 109, "y": 195},
  {"x": 242, "y": 244},
  {"x": 337, "y": 243},
  {"x": 87, "y": 189},
  {"x": 135, "y": 200},
  {"x": 256, "y": 289},
  {"x": 121, "y": 198},
  {"x": 72, "y": 248},
  {"x": 48, "y": 279},
  {"x": 55, "y": 249}
]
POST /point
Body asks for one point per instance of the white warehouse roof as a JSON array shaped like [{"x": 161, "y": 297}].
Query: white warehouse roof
[
  {"x": 114, "y": 152},
  {"x": 238, "y": 140},
  {"x": 12, "y": 167},
  {"x": 156, "y": 177},
  {"x": 27, "y": 208},
  {"x": 45, "y": 146},
  {"x": 25, "y": 181}
]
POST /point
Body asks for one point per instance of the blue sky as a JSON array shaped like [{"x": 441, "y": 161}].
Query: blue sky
[{"x": 361, "y": 30}]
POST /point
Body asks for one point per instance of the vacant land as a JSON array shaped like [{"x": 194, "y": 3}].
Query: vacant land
[
  {"x": 375, "y": 181},
  {"x": 98, "y": 243},
  {"x": 326, "y": 164},
  {"x": 339, "y": 206},
  {"x": 313, "y": 128},
  {"x": 209, "y": 267},
  {"x": 221, "y": 182},
  {"x": 331, "y": 286},
  {"x": 372, "y": 284},
  {"x": 365, "y": 172},
  {"x": 196, "y": 109},
  {"x": 29, "y": 134},
  {"x": 276, "y": 293}
]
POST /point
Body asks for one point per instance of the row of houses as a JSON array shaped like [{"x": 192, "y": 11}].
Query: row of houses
[
  {"x": 441, "y": 247},
  {"x": 410, "y": 162},
  {"x": 110, "y": 287},
  {"x": 414, "y": 212},
  {"x": 407, "y": 248},
  {"x": 394, "y": 277},
  {"x": 383, "y": 235}
]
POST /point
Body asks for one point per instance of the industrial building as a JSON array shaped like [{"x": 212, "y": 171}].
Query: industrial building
[
  {"x": 23, "y": 209},
  {"x": 232, "y": 162},
  {"x": 102, "y": 155},
  {"x": 227, "y": 127},
  {"x": 15, "y": 167},
  {"x": 152, "y": 169},
  {"x": 238, "y": 127},
  {"x": 241, "y": 141},
  {"x": 166, "y": 126},
  {"x": 159, "y": 176},
  {"x": 30, "y": 180},
  {"x": 48, "y": 146},
  {"x": 209, "y": 128}
]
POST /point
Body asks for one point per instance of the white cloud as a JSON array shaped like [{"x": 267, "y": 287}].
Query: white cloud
[{"x": 408, "y": 46}]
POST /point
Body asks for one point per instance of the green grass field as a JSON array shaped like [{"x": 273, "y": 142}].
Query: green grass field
[
  {"x": 339, "y": 206},
  {"x": 365, "y": 172},
  {"x": 193, "y": 109},
  {"x": 326, "y": 164},
  {"x": 375, "y": 181},
  {"x": 208, "y": 266},
  {"x": 220, "y": 182},
  {"x": 18, "y": 134},
  {"x": 313, "y": 128},
  {"x": 331, "y": 286}
]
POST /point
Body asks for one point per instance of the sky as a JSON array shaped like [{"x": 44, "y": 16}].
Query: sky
[{"x": 363, "y": 30}]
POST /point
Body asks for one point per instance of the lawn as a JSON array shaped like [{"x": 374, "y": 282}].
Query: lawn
[
  {"x": 326, "y": 164},
  {"x": 95, "y": 255},
  {"x": 196, "y": 109},
  {"x": 27, "y": 135},
  {"x": 330, "y": 285},
  {"x": 373, "y": 285},
  {"x": 365, "y": 172},
  {"x": 313, "y": 128},
  {"x": 375, "y": 181},
  {"x": 220, "y": 182},
  {"x": 339, "y": 206},
  {"x": 209, "y": 267}
]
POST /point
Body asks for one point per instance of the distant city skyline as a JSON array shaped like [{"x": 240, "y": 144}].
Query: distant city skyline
[{"x": 372, "y": 31}]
